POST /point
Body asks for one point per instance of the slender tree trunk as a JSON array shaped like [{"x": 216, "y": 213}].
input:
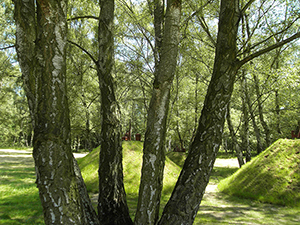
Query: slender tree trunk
[
  {"x": 189, "y": 190},
  {"x": 260, "y": 111},
  {"x": 112, "y": 205},
  {"x": 42, "y": 60},
  {"x": 177, "y": 114},
  {"x": 245, "y": 120},
  {"x": 88, "y": 144},
  {"x": 196, "y": 104},
  {"x": 154, "y": 152},
  {"x": 277, "y": 111},
  {"x": 235, "y": 144},
  {"x": 259, "y": 147}
]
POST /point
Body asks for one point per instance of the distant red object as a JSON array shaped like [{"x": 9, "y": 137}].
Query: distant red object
[
  {"x": 138, "y": 137},
  {"x": 295, "y": 134}
]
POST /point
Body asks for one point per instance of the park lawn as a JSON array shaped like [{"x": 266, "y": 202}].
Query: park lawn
[
  {"x": 19, "y": 199},
  {"x": 20, "y": 204}
]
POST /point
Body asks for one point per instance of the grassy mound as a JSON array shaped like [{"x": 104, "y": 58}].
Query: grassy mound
[
  {"x": 177, "y": 157},
  {"x": 272, "y": 177},
  {"x": 132, "y": 163}
]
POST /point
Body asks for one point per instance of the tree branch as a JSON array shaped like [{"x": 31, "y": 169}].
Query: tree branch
[
  {"x": 268, "y": 49},
  {"x": 7, "y": 47},
  {"x": 243, "y": 10},
  {"x": 84, "y": 50},
  {"x": 83, "y": 17},
  {"x": 202, "y": 22}
]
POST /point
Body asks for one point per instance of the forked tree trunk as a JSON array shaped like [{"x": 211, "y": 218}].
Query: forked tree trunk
[
  {"x": 43, "y": 63},
  {"x": 112, "y": 206},
  {"x": 189, "y": 190},
  {"x": 154, "y": 151}
]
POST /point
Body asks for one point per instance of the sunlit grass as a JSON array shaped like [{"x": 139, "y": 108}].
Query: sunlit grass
[
  {"x": 132, "y": 163},
  {"x": 273, "y": 176},
  {"x": 19, "y": 199},
  {"x": 20, "y": 204}
]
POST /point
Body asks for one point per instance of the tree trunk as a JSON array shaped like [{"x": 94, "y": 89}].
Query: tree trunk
[
  {"x": 245, "y": 121},
  {"x": 112, "y": 205},
  {"x": 42, "y": 60},
  {"x": 259, "y": 147},
  {"x": 277, "y": 111},
  {"x": 154, "y": 152},
  {"x": 235, "y": 144},
  {"x": 189, "y": 190},
  {"x": 260, "y": 111}
]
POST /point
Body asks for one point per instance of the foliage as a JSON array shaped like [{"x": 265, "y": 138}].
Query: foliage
[
  {"x": 134, "y": 69},
  {"x": 272, "y": 176}
]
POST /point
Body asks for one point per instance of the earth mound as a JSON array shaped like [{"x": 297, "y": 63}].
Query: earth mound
[{"x": 272, "y": 177}]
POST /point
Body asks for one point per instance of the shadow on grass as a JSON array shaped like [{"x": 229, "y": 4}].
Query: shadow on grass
[
  {"x": 21, "y": 209},
  {"x": 19, "y": 198},
  {"x": 219, "y": 208}
]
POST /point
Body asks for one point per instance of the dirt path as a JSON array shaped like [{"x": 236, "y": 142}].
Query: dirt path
[
  {"x": 223, "y": 209},
  {"x": 216, "y": 208}
]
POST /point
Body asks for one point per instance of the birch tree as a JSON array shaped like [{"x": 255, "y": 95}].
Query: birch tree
[
  {"x": 41, "y": 46},
  {"x": 112, "y": 206},
  {"x": 167, "y": 42},
  {"x": 190, "y": 187}
]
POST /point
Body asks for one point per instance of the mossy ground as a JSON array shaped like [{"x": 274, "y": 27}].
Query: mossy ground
[{"x": 272, "y": 177}]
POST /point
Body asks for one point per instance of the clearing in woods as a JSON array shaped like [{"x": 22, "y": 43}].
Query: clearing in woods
[{"x": 216, "y": 208}]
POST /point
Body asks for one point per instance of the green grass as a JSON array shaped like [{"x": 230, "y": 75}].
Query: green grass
[
  {"x": 272, "y": 177},
  {"x": 132, "y": 163},
  {"x": 19, "y": 199},
  {"x": 20, "y": 204}
]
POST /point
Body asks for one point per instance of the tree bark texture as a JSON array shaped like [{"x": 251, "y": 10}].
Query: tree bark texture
[
  {"x": 24, "y": 14},
  {"x": 112, "y": 205},
  {"x": 154, "y": 152},
  {"x": 43, "y": 63},
  {"x": 189, "y": 190}
]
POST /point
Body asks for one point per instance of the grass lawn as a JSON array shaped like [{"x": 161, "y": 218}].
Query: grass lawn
[
  {"x": 19, "y": 200},
  {"x": 20, "y": 204}
]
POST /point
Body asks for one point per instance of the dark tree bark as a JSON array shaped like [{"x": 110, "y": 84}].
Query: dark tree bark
[
  {"x": 154, "y": 152},
  {"x": 188, "y": 192},
  {"x": 41, "y": 49},
  {"x": 112, "y": 205}
]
